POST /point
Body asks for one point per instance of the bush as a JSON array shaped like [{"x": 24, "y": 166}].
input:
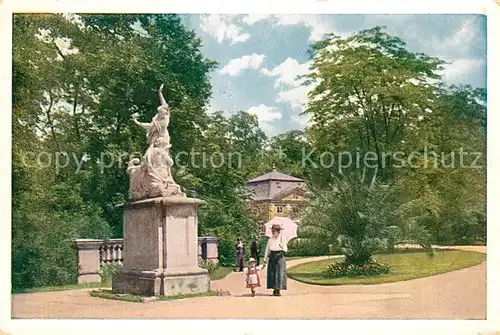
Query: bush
[
  {"x": 107, "y": 271},
  {"x": 42, "y": 251},
  {"x": 210, "y": 266},
  {"x": 305, "y": 247},
  {"x": 227, "y": 252},
  {"x": 342, "y": 269}
]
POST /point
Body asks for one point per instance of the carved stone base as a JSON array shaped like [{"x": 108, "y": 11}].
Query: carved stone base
[
  {"x": 89, "y": 278},
  {"x": 159, "y": 283},
  {"x": 160, "y": 248}
]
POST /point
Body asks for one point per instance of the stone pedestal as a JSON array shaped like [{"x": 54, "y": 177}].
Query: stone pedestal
[
  {"x": 161, "y": 248},
  {"x": 209, "y": 249},
  {"x": 88, "y": 260}
]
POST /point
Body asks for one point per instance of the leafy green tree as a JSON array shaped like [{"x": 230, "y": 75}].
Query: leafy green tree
[
  {"x": 237, "y": 139},
  {"x": 77, "y": 79},
  {"x": 374, "y": 96},
  {"x": 293, "y": 145},
  {"x": 370, "y": 95}
]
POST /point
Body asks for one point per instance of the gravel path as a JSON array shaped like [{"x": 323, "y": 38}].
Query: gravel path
[{"x": 455, "y": 295}]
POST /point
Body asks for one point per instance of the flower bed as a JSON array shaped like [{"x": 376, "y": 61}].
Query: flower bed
[{"x": 342, "y": 269}]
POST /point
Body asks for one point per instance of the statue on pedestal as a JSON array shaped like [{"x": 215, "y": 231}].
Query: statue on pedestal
[
  {"x": 160, "y": 224},
  {"x": 152, "y": 177}
]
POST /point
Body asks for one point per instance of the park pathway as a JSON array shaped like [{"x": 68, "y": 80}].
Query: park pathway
[{"x": 454, "y": 295}]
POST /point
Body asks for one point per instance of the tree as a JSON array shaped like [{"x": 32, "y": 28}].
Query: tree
[
  {"x": 359, "y": 216},
  {"x": 372, "y": 96},
  {"x": 237, "y": 140},
  {"x": 77, "y": 79},
  {"x": 294, "y": 145},
  {"x": 353, "y": 213},
  {"x": 370, "y": 93},
  {"x": 456, "y": 170}
]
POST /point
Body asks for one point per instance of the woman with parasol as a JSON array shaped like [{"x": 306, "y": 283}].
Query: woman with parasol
[{"x": 276, "y": 263}]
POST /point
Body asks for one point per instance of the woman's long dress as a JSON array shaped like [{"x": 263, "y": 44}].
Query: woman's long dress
[{"x": 276, "y": 265}]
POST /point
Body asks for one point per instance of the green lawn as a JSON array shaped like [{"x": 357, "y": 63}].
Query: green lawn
[
  {"x": 220, "y": 273},
  {"x": 61, "y": 287},
  {"x": 107, "y": 294},
  {"x": 292, "y": 258},
  {"x": 404, "y": 266}
]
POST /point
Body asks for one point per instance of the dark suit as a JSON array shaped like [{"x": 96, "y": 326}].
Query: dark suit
[
  {"x": 254, "y": 251},
  {"x": 240, "y": 256}
]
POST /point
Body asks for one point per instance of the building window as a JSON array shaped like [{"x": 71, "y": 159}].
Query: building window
[{"x": 279, "y": 209}]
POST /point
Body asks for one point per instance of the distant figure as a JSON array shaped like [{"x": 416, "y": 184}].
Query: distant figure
[
  {"x": 276, "y": 264},
  {"x": 240, "y": 255},
  {"x": 255, "y": 251},
  {"x": 253, "y": 279}
]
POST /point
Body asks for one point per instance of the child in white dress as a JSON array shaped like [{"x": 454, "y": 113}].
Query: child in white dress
[{"x": 253, "y": 279}]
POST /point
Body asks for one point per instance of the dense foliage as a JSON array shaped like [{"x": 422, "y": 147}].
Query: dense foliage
[
  {"x": 78, "y": 79},
  {"x": 376, "y": 100}
]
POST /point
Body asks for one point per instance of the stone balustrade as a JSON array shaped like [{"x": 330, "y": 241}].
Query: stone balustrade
[
  {"x": 110, "y": 252},
  {"x": 92, "y": 254}
]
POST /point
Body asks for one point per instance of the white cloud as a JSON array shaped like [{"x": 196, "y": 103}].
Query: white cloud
[
  {"x": 292, "y": 92},
  {"x": 318, "y": 24},
  {"x": 462, "y": 70},
  {"x": 296, "y": 97},
  {"x": 458, "y": 43},
  {"x": 467, "y": 32},
  {"x": 213, "y": 106},
  {"x": 287, "y": 71},
  {"x": 237, "y": 65},
  {"x": 302, "y": 120},
  {"x": 266, "y": 115},
  {"x": 221, "y": 28},
  {"x": 251, "y": 19}
]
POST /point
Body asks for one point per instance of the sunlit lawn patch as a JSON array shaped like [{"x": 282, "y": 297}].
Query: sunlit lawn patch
[
  {"x": 108, "y": 294},
  {"x": 402, "y": 267},
  {"x": 220, "y": 273}
]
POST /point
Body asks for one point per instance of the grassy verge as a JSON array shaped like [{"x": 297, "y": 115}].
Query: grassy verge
[
  {"x": 107, "y": 294},
  {"x": 292, "y": 258},
  {"x": 220, "y": 273},
  {"x": 404, "y": 266},
  {"x": 61, "y": 287}
]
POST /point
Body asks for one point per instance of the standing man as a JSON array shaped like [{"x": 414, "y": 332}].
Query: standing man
[
  {"x": 240, "y": 255},
  {"x": 255, "y": 250}
]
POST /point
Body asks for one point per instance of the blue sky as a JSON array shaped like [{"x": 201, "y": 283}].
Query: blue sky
[{"x": 259, "y": 56}]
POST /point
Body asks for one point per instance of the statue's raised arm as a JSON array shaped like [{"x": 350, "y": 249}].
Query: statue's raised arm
[
  {"x": 144, "y": 125},
  {"x": 162, "y": 99}
]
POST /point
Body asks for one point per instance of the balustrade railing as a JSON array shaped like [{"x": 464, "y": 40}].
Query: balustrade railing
[
  {"x": 111, "y": 252},
  {"x": 93, "y": 254}
]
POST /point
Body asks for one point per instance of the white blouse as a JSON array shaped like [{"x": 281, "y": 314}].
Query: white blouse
[{"x": 276, "y": 244}]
